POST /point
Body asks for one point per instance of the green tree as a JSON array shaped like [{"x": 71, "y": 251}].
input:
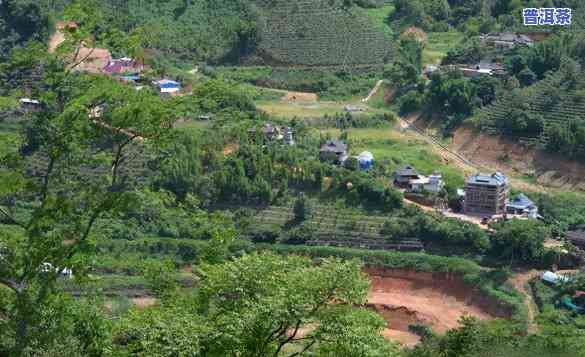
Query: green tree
[
  {"x": 161, "y": 277},
  {"x": 301, "y": 209},
  {"x": 520, "y": 241},
  {"x": 526, "y": 77},
  {"x": 257, "y": 305},
  {"x": 66, "y": 201}
]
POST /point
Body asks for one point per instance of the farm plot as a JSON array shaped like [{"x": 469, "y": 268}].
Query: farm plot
[
  {"x": 135, "y": 168},
  {"x": 546, "y": 98},
  {"x": 339, "y": 228},
  {"x": 317, "y": 33}
]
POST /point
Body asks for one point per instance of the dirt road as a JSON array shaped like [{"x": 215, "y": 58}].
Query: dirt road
[
  {"x": 373, "y": 91},
  {"x": 519, "y": 282},
  {"x": 454, "y": 158}
]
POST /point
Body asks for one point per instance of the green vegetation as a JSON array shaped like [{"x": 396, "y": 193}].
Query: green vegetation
[
  {"x": 183, "y": 34},
  {"x": 320, "y": 33},
  {"x": 256, "y": 305},
  {"x": 393, "y": 150},
  {"x": 20, "y": 21},
  {"x": 549, "y": 112},
  {"x": 439, "y": 44},
  {"x": 243, "y": 244},
  {"x": 328, "y": 84},
  {"x": 378, "y": 16},
  {"x": 10, "y": 139}
]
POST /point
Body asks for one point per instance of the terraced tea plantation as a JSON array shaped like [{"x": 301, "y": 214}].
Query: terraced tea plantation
[
  {"x": 320, "y": 33},
  {"x": 339, "y": 228},
  {"x": 549, "y": 98}
]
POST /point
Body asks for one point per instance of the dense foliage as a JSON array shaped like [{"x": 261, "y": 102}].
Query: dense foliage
[
  {"x": 186, "y": 199},
  {"x": 257, "y": 306}
]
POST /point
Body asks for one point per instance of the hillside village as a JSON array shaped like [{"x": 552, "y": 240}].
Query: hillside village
[{"x": 276, "y": 178}]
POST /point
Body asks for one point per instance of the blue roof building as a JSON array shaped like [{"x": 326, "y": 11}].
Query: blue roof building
[
  {"x": 522, "y": 205},
  {"x": 168, "y": 86}
]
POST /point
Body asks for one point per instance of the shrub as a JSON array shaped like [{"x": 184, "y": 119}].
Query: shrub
[
  {"x": 265, "y": 234},
  {"x": 300, "y": 234}
]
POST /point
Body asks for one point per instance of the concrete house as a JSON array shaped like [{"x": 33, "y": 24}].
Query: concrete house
[
  {"x": 522, "y": 206},
  {"x": 432, "y": 184},
  {"x": 333, "y": 151},
  {"x": 430, "y": 69},
  {"x": 288, "y": 136},
  {"x": 506, "y": 40},
  {"x": 483, "y": 68},
  {"x": 275, "y": 133},
  {"x": 404, "y": 175},
  {"x": 29, "y": 105},
  {"x": 577, "y": 238},
  {"x": 486, "y": 195},
  {"x": 353, "y": 109}
]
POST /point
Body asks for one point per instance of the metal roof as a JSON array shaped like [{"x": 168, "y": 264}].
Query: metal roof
[
  {"x": 334, "y": 146},
  {"x": 406, "y": 171},
  {"x": 520, "y": 202}
]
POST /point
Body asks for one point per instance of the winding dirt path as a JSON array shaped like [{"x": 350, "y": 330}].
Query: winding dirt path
[
  {"x": 455, "y": 158},
  {"x": 373, "y": 91},
  {"x": 519, "y": 282}
]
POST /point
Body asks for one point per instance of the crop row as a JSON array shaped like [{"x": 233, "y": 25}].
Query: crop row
[
  {"x": 315, "y": 33},
  {"x": 569, "y": 107},
  {"x": 339, "y": 228}
]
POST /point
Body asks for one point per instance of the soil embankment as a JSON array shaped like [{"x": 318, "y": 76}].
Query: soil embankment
[
  {"x": 511, "y": 157},
  {"x": 437, "y": 300}
]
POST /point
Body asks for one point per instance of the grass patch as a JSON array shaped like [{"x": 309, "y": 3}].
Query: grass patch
[
  {"x": 193, "y": 126},
  {"x": 10, "y": 138},
  {"x": 378, "y": 17},
  {"x": 439, "y": 43},
  {"x": 396, "y": 150},
  {"x": 309, "y": 110}
]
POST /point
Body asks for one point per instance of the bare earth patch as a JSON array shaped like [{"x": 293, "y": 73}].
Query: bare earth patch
[
  {"x": 407, "y": 298},
  {"x": 144, "y": 302},
  {"x": 300, "y": 97},
  {"x": 511, "y": 157}
]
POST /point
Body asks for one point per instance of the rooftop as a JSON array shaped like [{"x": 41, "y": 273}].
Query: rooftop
[
  {"x": 577, "y": 235},
  {"x": 508, "y": 37},
  {"x": 496, "y": 179},
  {"x": 520, "y": 201},
  {"x": 29, "y": 101},
  {"x": 406, "y": 171},
  {"x": 334, "y": 146}
]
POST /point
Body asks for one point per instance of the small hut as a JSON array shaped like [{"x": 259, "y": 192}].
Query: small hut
[{"x": 366, "y": 160}]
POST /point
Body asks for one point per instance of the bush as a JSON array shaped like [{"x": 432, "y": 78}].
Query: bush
[
  {"x": 300, "y": 234},
  {"x": 423, "y": 331},
  {"x": 302, "y": 209},
  {"x": 265, "y": 234}
]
